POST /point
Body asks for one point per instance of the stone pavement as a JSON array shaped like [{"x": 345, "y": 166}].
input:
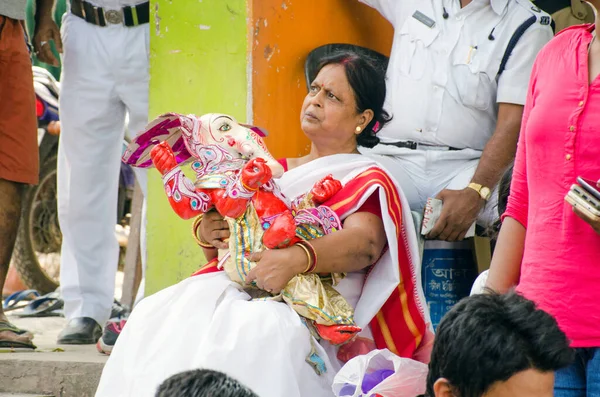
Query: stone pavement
[
  {"x": 22, "y": 395},
  {"x": 52, "y": 370}
]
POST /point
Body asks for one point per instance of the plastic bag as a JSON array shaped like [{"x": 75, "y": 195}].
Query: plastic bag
[
  {"x": 479, "y": 284},
  {"x": 381, "y": 373}
]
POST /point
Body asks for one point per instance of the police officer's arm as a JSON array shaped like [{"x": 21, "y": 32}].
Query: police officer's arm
[
  {"x": 501, "y": 148},
  {"x": 461, "y": 207},
  {"x": 46, "y": 31},
  {"x": 512, "y": 91}
]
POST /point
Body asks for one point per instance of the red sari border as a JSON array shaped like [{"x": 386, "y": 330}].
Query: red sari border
[
  {"x": 399, "y": 325},
  {"x": 211, "y": 267}
]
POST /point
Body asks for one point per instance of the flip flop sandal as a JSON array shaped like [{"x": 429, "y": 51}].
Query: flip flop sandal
[
  {"x": 6, "y": 326},
  {"x": 49, "y": 305},
  {"x": 10, "y": 345},
  {"x": 12, "y": 301}
]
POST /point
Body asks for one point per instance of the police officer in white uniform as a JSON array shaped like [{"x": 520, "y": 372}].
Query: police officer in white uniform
[
  {"x": 456, "y": 105},
  {"x": 104, "y": 76}
]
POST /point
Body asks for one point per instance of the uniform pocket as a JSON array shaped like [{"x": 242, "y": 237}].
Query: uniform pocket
[
  {"x": 476, "y": 88},
  {"x": 414, "y": 38}
]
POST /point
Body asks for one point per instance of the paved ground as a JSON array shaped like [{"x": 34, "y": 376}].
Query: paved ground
[
  {"x": 51, "y": 370},
  {"x": 22, "y": 395}
]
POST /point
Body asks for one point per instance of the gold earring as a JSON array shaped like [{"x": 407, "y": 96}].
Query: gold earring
[{"x": 358, "y": 129}]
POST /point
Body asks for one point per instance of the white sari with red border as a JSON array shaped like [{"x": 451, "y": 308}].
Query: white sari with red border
[{"x": 208, "y": 321}]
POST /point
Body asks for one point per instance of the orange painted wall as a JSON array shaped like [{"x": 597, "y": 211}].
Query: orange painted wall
[{"x": 282, "y": 34}]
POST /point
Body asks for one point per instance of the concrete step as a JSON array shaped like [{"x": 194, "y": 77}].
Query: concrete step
[
  {"x": 52, "y": 370},
  {"x": 23, "y": 395}
]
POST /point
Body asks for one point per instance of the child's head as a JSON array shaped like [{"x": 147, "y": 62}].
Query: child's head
[
  {"x": 202, "y": 383},
  {"x": 496, "y": 345}
]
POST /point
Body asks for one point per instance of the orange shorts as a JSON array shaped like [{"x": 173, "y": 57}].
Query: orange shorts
[{"x": 19, "y": 160}]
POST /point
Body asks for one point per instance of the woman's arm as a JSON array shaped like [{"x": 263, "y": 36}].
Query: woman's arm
[
  {"x": 508, "y": 254},
  {"x": 506, "y": 263},
  {"x": 210, "y": 253},
  {"x": 358, "y": 245}
]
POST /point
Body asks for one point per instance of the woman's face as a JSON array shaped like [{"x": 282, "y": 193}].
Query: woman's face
[{"x": 329, "y": 110}]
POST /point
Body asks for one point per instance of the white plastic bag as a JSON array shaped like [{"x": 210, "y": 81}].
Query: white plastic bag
[
  {"x": 408, "y": 380},
  {"x": 479, "y": 284}
]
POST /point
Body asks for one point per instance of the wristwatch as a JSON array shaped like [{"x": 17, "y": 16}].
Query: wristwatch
[{"x": 483, "y": 191}]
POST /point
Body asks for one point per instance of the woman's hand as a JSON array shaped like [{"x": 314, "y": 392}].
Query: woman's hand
[
  {"x": 214, "y": 229},
  {"x": 275, "y": 268},
  {"x": 593, "y": 222}
]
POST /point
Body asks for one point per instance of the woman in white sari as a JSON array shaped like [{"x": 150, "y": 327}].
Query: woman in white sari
[{"x": 208, "y": 321}]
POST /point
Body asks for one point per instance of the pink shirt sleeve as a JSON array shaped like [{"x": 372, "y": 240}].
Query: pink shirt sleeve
[{"x": 518, "y": 201}]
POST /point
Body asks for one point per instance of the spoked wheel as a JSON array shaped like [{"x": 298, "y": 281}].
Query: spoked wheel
[{"x": 37, "y": 250}]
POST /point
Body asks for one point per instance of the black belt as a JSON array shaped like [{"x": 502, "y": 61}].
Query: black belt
[
  {"x": 128, "y": 16},
  {"x": 412, "y": 145}
]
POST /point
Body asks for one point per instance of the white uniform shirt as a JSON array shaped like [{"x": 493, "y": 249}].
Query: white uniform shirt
[{"x": 441, "y": 87}]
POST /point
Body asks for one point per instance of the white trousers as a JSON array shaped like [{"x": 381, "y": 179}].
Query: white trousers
[
  {"x": 104, "y": 77},
  {"x": 424, "y": 173}
]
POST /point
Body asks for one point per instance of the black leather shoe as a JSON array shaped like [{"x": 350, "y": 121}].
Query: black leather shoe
[{"x": 80, "y": 331}]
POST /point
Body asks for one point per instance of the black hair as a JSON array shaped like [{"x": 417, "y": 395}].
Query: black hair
[
  {"x": 504, "y": 189},
  {"x": 493, "y": 230},
  {"x": 202, "y": 383},
  {"x": 368, "y": 84},
  {"x": 488, "y": 338}
]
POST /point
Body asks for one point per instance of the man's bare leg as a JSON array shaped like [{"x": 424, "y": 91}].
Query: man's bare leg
[{"x": 10, "y": 213}]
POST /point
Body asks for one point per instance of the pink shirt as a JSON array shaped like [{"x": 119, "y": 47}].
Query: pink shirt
[{"x": 559, "y": 141}]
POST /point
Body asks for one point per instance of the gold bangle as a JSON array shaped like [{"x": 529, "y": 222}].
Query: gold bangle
[
  {"x": 308, "y": 257},
  {"x": 247, "y": 187},
  {"x": 196, "y": 235},
  {"x": 312, "y": 255}
]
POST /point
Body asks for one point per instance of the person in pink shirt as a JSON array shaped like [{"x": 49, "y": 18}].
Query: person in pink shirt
[{"x": 546, "y": 247}]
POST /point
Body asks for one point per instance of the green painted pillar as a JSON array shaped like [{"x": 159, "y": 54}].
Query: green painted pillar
[{"x": 198, "y": 52}]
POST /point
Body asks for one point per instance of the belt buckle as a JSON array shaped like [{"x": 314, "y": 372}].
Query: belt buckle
[{"x": 113, "y": 16}]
